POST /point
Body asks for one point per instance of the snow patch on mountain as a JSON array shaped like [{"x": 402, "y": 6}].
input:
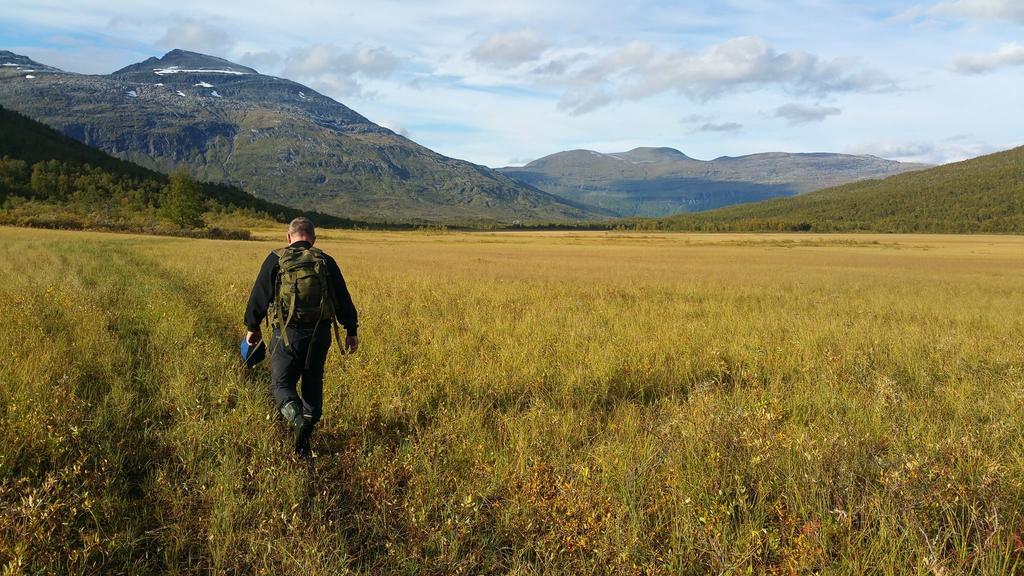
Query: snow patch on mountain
[
  {"x": 177, "y": 70},
  {"x": 215, "y": 95},
  {"x": 204, "y": 85}
]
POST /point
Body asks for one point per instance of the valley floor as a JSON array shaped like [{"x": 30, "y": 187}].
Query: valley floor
[{"x": 523, "y": 403}]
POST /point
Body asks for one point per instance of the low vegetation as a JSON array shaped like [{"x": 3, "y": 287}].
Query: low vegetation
[{"x": 523, "y": 403}]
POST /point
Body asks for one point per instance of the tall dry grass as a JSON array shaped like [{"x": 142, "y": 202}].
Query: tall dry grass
[{"x": 523, "y": 403}]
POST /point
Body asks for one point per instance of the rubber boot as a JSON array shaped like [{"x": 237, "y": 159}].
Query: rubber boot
[
  {"x": 303, "y": 432},
  {"x": 292, "y": 413}
]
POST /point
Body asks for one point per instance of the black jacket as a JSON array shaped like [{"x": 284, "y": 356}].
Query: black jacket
[{"x": 263, "y": 293}]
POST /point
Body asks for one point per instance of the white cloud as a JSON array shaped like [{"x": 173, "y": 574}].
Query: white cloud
[
  {"x": 940, "y": 152},
  {"x": 727, "y": 127},
  {"x": 1012, "y": 10},
  {"x": 558, "y": 65},
  {"x": 912, "y": 14},
  {"x": 510, "y": 49},
  {"x": 325, "y": 58},
  {"x": 697, "y": 118},
  {"x": 708, "y": 123},
  {"x": 904, "y": 151},
  {"x": 805, "y": 114},
  {"x": 262, "y": 60},
  {"x": 1011, "y": 54},
  {"x": 195, "y": 35},
  {"x": 335, "y": 70},
  {"x": 394, "y": 127},
  {"x": 519, "y": 161},
  {"x": 639, "y": 71},
  {"x": 579, "y": 102}
]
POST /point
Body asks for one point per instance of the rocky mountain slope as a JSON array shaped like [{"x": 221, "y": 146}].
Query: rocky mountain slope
[
  {"x": 280, "y": 140},
  {"x": 55, "y": 181},
  {"x": 660, "y": 181}
]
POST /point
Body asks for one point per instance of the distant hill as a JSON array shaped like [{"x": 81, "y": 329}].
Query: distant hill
[
  {"x": 662, "y": 181},
  {"x": 49, "y": 179},
  {"x": 277, "y": 139},
  {"x": 984, "y": 194}
]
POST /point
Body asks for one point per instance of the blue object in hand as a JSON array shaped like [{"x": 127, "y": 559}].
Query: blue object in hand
[{"x": 253, "y": 355}]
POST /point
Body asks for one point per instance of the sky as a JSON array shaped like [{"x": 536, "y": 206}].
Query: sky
[{"x": 504, "y": 83}]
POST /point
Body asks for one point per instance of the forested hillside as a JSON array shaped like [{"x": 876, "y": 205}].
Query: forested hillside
[
  {"x": 50, "y": 180},
  {"x": 984, "y": 194}
]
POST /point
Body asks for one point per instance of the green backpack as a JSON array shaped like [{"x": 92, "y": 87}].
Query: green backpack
[{"x": 302, "y": 296}]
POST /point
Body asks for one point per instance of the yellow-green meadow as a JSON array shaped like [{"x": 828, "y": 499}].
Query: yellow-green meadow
[{"x": 569, "y": 403}]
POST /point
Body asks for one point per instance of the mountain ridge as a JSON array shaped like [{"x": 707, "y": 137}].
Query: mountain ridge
[
  {"x": 280, "y": 140},
  {"x": 9, "y": 60},
  {"x": 650, "y": 181},
  {"x": 182, "y": 61},
  {"x": 57, "y": 182}
]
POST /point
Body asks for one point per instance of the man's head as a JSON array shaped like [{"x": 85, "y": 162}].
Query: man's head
[{"x": 301, "y": 229}]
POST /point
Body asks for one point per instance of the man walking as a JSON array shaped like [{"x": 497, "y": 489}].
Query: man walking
[{"x": 302, "y": 291}]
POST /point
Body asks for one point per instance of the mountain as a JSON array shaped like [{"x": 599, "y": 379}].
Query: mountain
[
  {"x": 661, "y": 181},
  {"x": 23, "y": 65},
  {"x": 984, "y": 194},
  {"x": 280, "y": 140},
  {"x": 49, "y": 179}
]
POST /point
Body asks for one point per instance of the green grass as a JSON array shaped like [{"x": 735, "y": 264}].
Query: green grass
[{"x": 523, "y": 403}]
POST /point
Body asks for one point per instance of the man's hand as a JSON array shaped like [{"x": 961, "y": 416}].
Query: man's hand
[
  {"x": 254, "y": 338},
  {"x": 351, "y": 343}
]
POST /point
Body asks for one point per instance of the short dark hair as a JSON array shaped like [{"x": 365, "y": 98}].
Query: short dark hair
[{"x": 302, "y": 226}]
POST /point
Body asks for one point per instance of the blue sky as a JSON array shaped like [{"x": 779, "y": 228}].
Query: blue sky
[{"x": 507, "y": 82}]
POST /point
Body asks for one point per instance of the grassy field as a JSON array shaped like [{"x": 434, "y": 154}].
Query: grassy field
[{"x": 523, "y": 403}]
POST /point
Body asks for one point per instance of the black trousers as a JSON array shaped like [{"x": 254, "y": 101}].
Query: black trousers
[{"x": 288, "y": 366}]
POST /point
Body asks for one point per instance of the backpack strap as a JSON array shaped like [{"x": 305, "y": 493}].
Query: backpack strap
[
  {"x": 284, "y": 327},
  {"x": 316, "y": 328},
  {"x": 327, "y": 305},
  {"x": 275, "y": 308}
]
